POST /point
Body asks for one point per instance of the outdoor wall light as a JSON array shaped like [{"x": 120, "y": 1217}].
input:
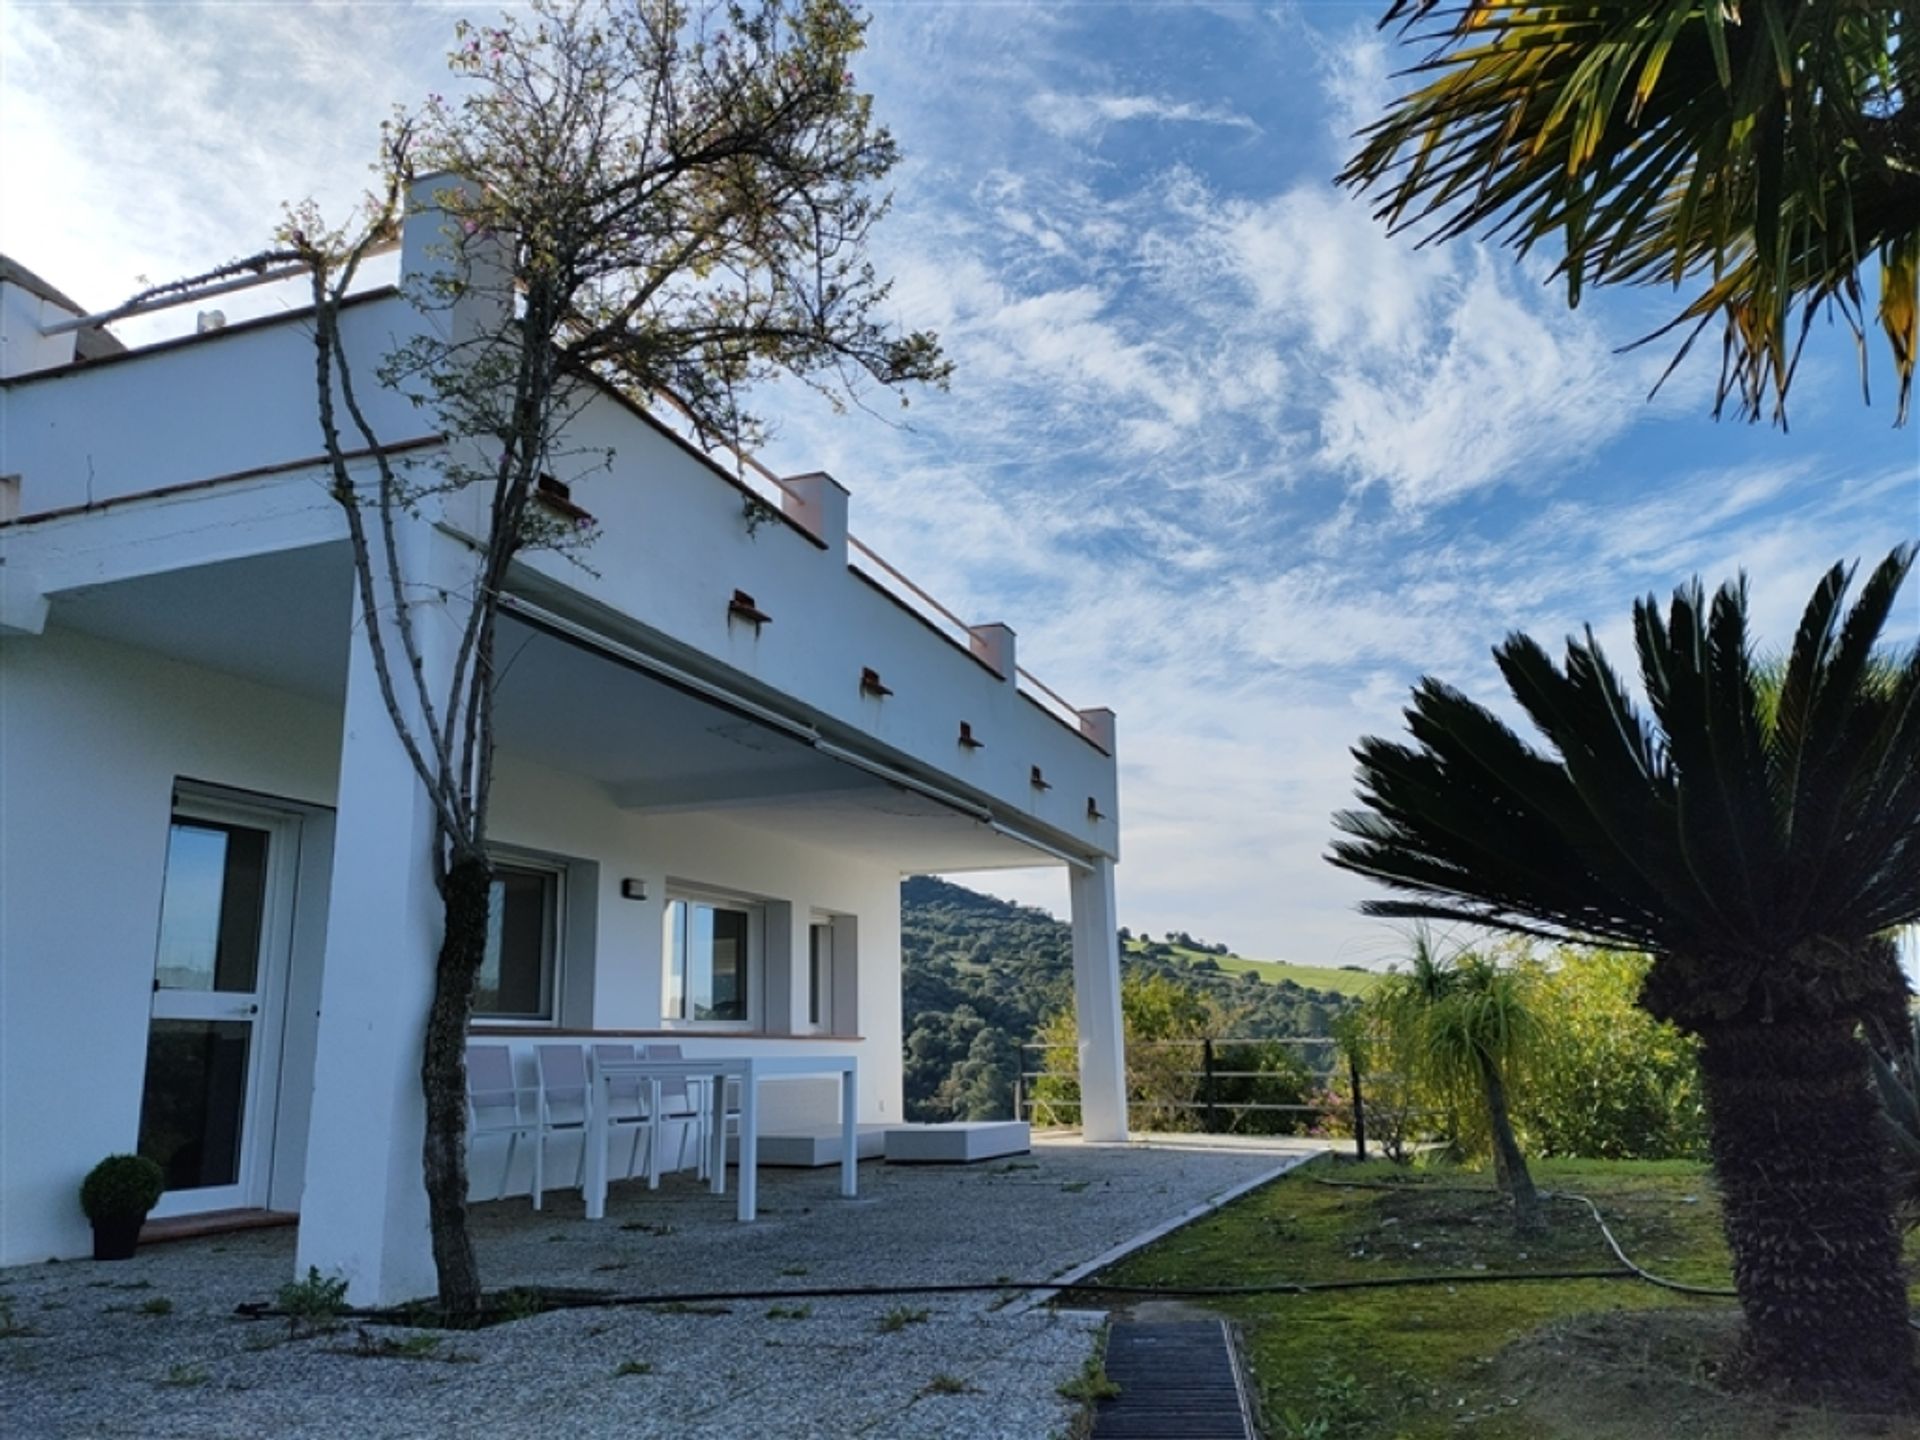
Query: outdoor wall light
[
  {"x": 631, "y": 889},
  {"x": 968, "y": 740},
  {"x": 1040, "y": 782},
  {"x": 870, "y": 684},
  {"x": 741, "y": 607}
]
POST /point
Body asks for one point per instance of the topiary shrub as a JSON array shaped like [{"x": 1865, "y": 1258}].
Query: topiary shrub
[{"x": 121, "y": 1187}]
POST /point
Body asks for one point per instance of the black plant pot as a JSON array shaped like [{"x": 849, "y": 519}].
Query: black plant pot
[{"x": 116, "y": 1237}]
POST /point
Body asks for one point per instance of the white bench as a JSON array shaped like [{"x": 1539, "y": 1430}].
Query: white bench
[{"x": 959, "y": 1142}]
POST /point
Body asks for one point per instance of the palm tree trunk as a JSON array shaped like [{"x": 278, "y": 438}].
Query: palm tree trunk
[
  {"x": 1509, "y": 1164},
  {"x": 443, "y": 1080},
  {"x": 1800, "y": 1156}
]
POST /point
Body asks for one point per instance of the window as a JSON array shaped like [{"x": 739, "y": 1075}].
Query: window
[
  {"x": 517, "y": 980},
  {"x": 820, "y": 976},
  {"x": 712, "y": 960}
]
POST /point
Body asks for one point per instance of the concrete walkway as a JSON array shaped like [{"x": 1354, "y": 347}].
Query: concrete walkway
[{"x": 94, "y": 1351}]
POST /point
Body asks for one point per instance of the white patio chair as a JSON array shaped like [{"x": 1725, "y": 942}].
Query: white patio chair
[
  {"x": 686, "y": 1101},
  {"x": 563, "y": 1102},
  {"x": 626, "y": 1097},
  {"x": 494, "y": 1108}
]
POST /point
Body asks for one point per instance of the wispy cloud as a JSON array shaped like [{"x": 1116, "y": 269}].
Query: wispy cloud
[{"x": 1076, "y": 117}]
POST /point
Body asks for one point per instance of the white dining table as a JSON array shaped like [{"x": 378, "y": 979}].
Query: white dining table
[{"x": 709, "y": 1075}]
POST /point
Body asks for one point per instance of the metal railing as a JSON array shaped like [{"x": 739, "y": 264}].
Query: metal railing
[{"x": 1219, "y": 1113}]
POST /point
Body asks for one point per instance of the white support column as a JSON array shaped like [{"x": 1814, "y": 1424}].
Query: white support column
[
  {"x": 363, "y": 1213},
  {"x": 1096, "y": 1004}
]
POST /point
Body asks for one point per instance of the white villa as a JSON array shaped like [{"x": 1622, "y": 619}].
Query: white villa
[{"x": 721, "y": 747}]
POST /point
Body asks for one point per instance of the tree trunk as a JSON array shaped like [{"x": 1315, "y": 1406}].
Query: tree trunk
[
  {"x": 1808, "y": 1209},
  {"x": 1509, "y": 1165},
  {"x": 443, "y": 1079}
]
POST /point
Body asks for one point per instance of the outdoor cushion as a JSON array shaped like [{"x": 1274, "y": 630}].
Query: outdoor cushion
[{"x": 961, "y": 1142}]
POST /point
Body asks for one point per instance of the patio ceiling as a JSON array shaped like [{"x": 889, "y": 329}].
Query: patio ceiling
[
  {"x": 658, "y": 748},
  {"x": 655, "y": 747}
]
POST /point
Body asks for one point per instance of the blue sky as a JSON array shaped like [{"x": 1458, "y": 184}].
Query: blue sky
[{"x": 1230, "y": 459}]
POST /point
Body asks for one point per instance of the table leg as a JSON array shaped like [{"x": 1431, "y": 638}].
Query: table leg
[
  {"x": 849, "y": 1133},
  {"x": 749, "y": 1143},
  {"x": 716, "y": 1108},
  {"x": 594, "y": 1137},
  {"x": 659, "y": 1134}
]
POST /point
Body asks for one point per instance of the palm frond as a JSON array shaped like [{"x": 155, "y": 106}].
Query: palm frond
[
  {"x": 1750, "y": 841},
  {"x": 1764, "y": 150}
]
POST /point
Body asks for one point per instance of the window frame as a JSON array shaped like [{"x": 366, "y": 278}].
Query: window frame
[
  {"x": 554, "y": 876},
  {"x": 756, "y": 960}
]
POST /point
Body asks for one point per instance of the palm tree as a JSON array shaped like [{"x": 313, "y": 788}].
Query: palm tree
[
  {"x": 1757, "y": 849},
  {"x": 1766, "y": 151},
  {"x": 1463, "y": 1025}
]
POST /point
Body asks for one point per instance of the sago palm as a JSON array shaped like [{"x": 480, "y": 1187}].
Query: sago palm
[
  {"x": 1462, "y": 1025},
  {"x": 1765, "y": 153},
  {"x": 1755, "y": 846}
]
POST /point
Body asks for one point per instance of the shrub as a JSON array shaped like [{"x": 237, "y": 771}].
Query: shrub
[
  {"x": 1612, "y": 1083},
  {"x": 1262, "y": 1072},
  {"x": 121, "y": 1187},
  {"x": 1397, "y": 1114}
]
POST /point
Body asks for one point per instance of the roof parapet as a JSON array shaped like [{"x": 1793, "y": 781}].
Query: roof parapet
[{"x": 25, "y": 317}]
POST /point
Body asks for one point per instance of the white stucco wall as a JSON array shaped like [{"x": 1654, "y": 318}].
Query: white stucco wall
[
  {"x": 92, "y": 738},
  {"x": 190, "y": 411}
]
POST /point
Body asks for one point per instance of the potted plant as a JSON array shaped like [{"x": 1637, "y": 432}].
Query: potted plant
[{"x": 117, "y": 1194}]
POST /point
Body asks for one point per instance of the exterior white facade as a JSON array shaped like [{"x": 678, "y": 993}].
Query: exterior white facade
[{"x": 180, "y": 646}]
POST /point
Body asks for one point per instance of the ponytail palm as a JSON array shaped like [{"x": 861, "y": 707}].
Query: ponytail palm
[
  {"x": 1463, "y": 1025},
  {"x": 1755, "y": 839}
]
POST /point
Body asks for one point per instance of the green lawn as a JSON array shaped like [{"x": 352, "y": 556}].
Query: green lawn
[
  {"x": 1313, "y": 977},
  {"x": 1419, "y": 1363}
]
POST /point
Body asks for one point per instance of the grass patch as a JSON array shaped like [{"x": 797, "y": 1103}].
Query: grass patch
[
  {"x": 789, "y": 1312},
  {"x": 901, "y": 1316},
  {"x": 184, "y": 1377},
  {"x": 313, "y": 1304},
  {"x": 1092, "y": 1384},
  {"x": 1312, "y": 977},
  {"x": 158, "y": 1305},
  {"x": 945, "y": 1384},
  {"x": 632, "y": 1367},
  {"x": 1421, "y": 1363}
]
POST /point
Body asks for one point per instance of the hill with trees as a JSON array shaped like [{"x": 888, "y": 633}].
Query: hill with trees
[{"x": 982, "y": 976}]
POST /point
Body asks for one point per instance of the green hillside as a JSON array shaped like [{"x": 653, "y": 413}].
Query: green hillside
[
  {"x": 980, "y": 975},
  {"x": 1310, "y": 977}
]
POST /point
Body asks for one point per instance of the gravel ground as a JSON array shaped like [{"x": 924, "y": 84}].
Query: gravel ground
[{"x": 150, "y": 1347}]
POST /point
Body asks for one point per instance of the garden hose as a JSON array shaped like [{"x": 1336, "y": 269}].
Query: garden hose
[{"x": 589, "y": 1299}]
